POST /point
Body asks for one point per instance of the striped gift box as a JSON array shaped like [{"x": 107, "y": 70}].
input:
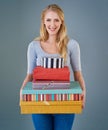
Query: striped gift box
[
  {"x": 52, "y": 62},
  {"x": 73, "y": 93},
  {"x": 51, "y": 97}
]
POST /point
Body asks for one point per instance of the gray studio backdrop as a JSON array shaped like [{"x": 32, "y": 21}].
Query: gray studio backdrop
[{"x": 87, "y": 22}]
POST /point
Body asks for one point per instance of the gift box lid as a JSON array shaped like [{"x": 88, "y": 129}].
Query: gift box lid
[{"x": 74, "y": 88}]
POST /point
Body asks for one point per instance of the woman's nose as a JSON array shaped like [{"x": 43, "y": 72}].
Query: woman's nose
[{"x": 52, "y": 23}]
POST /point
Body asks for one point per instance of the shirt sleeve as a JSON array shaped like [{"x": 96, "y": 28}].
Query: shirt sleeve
[
  {"x": 75, "y": 60},
  {"x": 31, "y": 58}
]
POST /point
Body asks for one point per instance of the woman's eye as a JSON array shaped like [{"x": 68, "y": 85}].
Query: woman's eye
[
  {"x": 48, "y": 20},
  {"x": 56, "y": 20}
]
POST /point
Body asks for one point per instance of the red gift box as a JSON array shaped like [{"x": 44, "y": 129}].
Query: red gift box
[{"x": 51, "y": 74}]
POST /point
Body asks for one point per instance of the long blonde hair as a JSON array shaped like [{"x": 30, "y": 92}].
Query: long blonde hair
[{"x": 62, "y": 38}]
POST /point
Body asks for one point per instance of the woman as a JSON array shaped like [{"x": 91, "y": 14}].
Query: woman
[{"x": 53, "y": 41}]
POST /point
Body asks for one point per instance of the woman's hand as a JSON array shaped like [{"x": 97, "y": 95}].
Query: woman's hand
[
  {"x": 21, "y": 93},
  {"x": 83, "y": 98},
  {"x": 79, "y": 77}
]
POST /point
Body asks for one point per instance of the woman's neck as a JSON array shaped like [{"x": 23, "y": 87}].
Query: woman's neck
[{"x": 51, "y": 40}]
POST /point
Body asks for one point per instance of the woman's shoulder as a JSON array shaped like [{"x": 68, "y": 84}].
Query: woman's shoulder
[
  {"x": 72, "y": 43},
  {"x": 33, "y": 44}
]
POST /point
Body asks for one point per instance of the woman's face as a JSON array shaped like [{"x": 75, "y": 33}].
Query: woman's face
[{"x": 52, "y": 22}]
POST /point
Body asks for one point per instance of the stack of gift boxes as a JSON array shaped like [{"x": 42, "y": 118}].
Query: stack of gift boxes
[{"x": 51, "y": 90}]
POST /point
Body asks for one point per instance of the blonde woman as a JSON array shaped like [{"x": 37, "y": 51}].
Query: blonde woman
[{"x": 53, "y": 41}]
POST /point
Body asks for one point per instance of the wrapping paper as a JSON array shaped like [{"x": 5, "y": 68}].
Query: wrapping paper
[
  {"x": 50, "y": 107},
  {"x": 52, "y": 74},
  {"x": 51, "y": 100},
  {"x": 51, "y": 97},
  {"x": 52, "y": 62},
  {"x": 73, "y": 93},
  {"x": 74, "y": 88},
  {"x": 50, "y": 84}
]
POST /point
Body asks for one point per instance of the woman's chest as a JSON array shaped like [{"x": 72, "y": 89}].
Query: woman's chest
[{"x": 49, "y": 48}]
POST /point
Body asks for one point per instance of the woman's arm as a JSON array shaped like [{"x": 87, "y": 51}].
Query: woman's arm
[
  {"x": 79, "y": 77},
  {"x": 28, "y": 78},
  {"x": 31, "y": 63},
  {"x": 75, "y": 62}
]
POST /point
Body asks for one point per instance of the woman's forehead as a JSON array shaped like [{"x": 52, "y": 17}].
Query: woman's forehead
[{"x": 51, "y": 14}]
